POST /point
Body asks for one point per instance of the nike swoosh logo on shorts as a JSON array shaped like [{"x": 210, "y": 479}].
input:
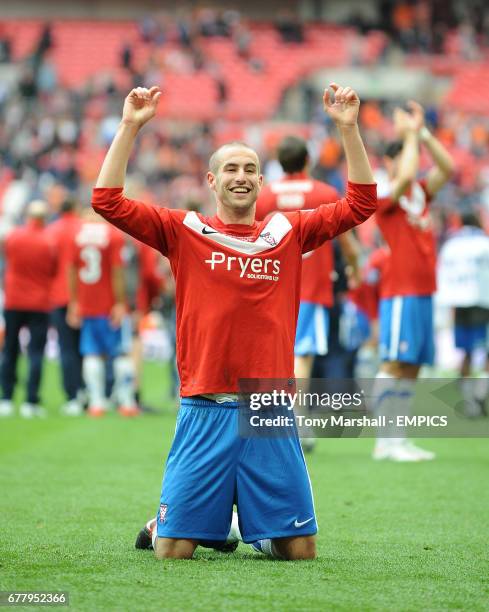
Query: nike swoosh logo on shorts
[
  {"x": 297, "y": 524},
  {"x": 206, "y": 231}
]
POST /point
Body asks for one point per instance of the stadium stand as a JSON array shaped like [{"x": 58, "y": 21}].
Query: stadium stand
[{"x": 65, "y": 79}]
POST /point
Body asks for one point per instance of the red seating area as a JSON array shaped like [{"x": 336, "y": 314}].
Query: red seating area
[
  {"x": 83, "y": 49},
  {"x": 470, "y": 89}
]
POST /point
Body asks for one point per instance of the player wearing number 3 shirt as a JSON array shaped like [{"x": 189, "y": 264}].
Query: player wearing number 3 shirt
[
  {"x": 98, "y": 304},
  {"x": 237, "y": 298}
]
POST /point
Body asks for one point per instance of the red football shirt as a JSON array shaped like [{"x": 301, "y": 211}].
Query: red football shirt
[
  {"x": 407, "y": 229},
  {"x": 62, "y": 232},
  {"x": 237, "y": 286},
  {"x": 30, "y": 268},
  {"x": 300, "y": 192},
  {"x": 366, "y": 296},
  {"x": 151, "y": 280},
  {"x": 96, "y": 250}
]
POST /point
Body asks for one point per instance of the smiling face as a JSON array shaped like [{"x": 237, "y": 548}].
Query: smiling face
[{"x": 235, "y": 177}]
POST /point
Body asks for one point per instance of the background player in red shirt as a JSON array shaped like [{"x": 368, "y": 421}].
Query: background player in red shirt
[
  {"x": 366, "y": 296},
  {"x": 30, "y": 268},
  {"x": 237, "y": 297},
  {"x": 298, "y": 191},
  {"x": 144, "y": 285},
  {"x": 62, "y": 233},
  {"x": 97, "y": 301},
  {"x": 408, "y": 282}
]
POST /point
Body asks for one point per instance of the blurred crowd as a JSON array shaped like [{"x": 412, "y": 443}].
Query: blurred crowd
[
  {"x": 427, "y": 26},
  {"x": 50, "y": 134}
]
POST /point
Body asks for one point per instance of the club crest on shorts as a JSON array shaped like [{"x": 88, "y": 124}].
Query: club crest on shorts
[{"x": 162, "y": 513}]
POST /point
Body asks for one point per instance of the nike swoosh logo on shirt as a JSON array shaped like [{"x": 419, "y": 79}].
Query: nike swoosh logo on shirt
[
  {"x": 297, "y": 524},
  {"x": 206, "y": 231}
]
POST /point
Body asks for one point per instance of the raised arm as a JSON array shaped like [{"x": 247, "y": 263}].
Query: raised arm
[
  {"x": 344, "y": 112},
  {"x": 360, "y": 200},
  {"x": 148, "y": 224},
  {"x": 444, "y": 166},
  {"x": 407, "y": 126},
  {"x": 139, "y": 107}
]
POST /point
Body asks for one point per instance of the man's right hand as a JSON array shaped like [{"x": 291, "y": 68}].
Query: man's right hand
[{"x": 140, "y": 105}]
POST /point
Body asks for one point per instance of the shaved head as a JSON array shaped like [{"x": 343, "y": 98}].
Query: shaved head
[
  {"x": 234, "y": 176},
  {"x": 218, "y": 156}
]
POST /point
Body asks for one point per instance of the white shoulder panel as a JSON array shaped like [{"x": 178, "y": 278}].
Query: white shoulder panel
[{"x": 271, "y": 236}]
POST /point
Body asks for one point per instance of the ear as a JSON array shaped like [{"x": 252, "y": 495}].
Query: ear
[
  {"x": 211, "y": 181},
  {"x": 260, "y": 181}
]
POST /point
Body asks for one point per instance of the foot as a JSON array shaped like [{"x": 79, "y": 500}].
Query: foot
[
  {"x": 144, "y": 541},
  {"x": 234, "y": 536},
  {"x": 403, "y": 452},
  {"x": 128, "y": 411},
  {"x": 423, "y": 454},
  {"x": 72, "y": 408},
  {"x": 256, "y": 546},
  {"x": 31, "y": 411},
  {"x": 6, "y": 408},
  {"x": 82, "y": 397},
  {"x": 96, "y": 412}
]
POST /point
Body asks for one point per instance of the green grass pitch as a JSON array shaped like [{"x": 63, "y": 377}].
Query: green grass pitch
[{"x": 74, "y": 493}]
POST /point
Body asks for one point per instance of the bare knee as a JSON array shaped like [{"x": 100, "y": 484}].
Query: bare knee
[
  {"x": 170, "y": 548},
  {"x": 296, "y": 549}
]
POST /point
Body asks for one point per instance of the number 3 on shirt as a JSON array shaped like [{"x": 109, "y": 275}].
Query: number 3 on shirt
[{"x": 91, "y": 272}]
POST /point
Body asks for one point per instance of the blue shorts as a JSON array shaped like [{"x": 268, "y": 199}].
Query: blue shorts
[
  {"x": 98, "y": 337},
  {"x": 470, "y": 337},
  {"x": 354, "y": 326},
  {"x": 406, "y": 329},
  {"x": 311, "y": 336},
  {"x": 210, "y": 468}
]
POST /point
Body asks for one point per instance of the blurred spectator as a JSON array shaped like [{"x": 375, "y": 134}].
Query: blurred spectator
[
  {"x": 127, "y": 56},
  {"x": 49, "y": 132},
  {"x": 30, "y": 268},
  {"x": 213, "y": 23},
  {"x": 289, "y": 27},
  {"x": 5, "y": 48}
]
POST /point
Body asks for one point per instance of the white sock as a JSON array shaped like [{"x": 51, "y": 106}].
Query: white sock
[
  {"x": 406, "y": 388},
  {"x": 269, "y": 549},
  {"x": 94, "y": 377},
  {"x": 481, "y": 386},
  {"x": 467, "y": 389},
  {"x": 234, "y": 532},
  {"x": 124, "y": 381},
  {"x": 384, "y": 391}
]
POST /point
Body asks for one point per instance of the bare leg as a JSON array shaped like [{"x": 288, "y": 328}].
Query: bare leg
[
  {"x": 297, "y": 548},
  {"x": 171, "y": 548}
]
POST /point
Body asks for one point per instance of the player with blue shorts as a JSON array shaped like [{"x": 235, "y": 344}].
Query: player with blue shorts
[
  {"x": 408, "y": 279},
  {"x": 297, "y": 190},
  {"x": 97, "y": 304},
  {"x": 237, "y": 289}
]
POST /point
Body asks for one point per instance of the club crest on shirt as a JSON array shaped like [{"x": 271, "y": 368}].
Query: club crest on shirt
[
  {"x": 162, "y": 513},
  {"x": 267, "y": 237}
]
